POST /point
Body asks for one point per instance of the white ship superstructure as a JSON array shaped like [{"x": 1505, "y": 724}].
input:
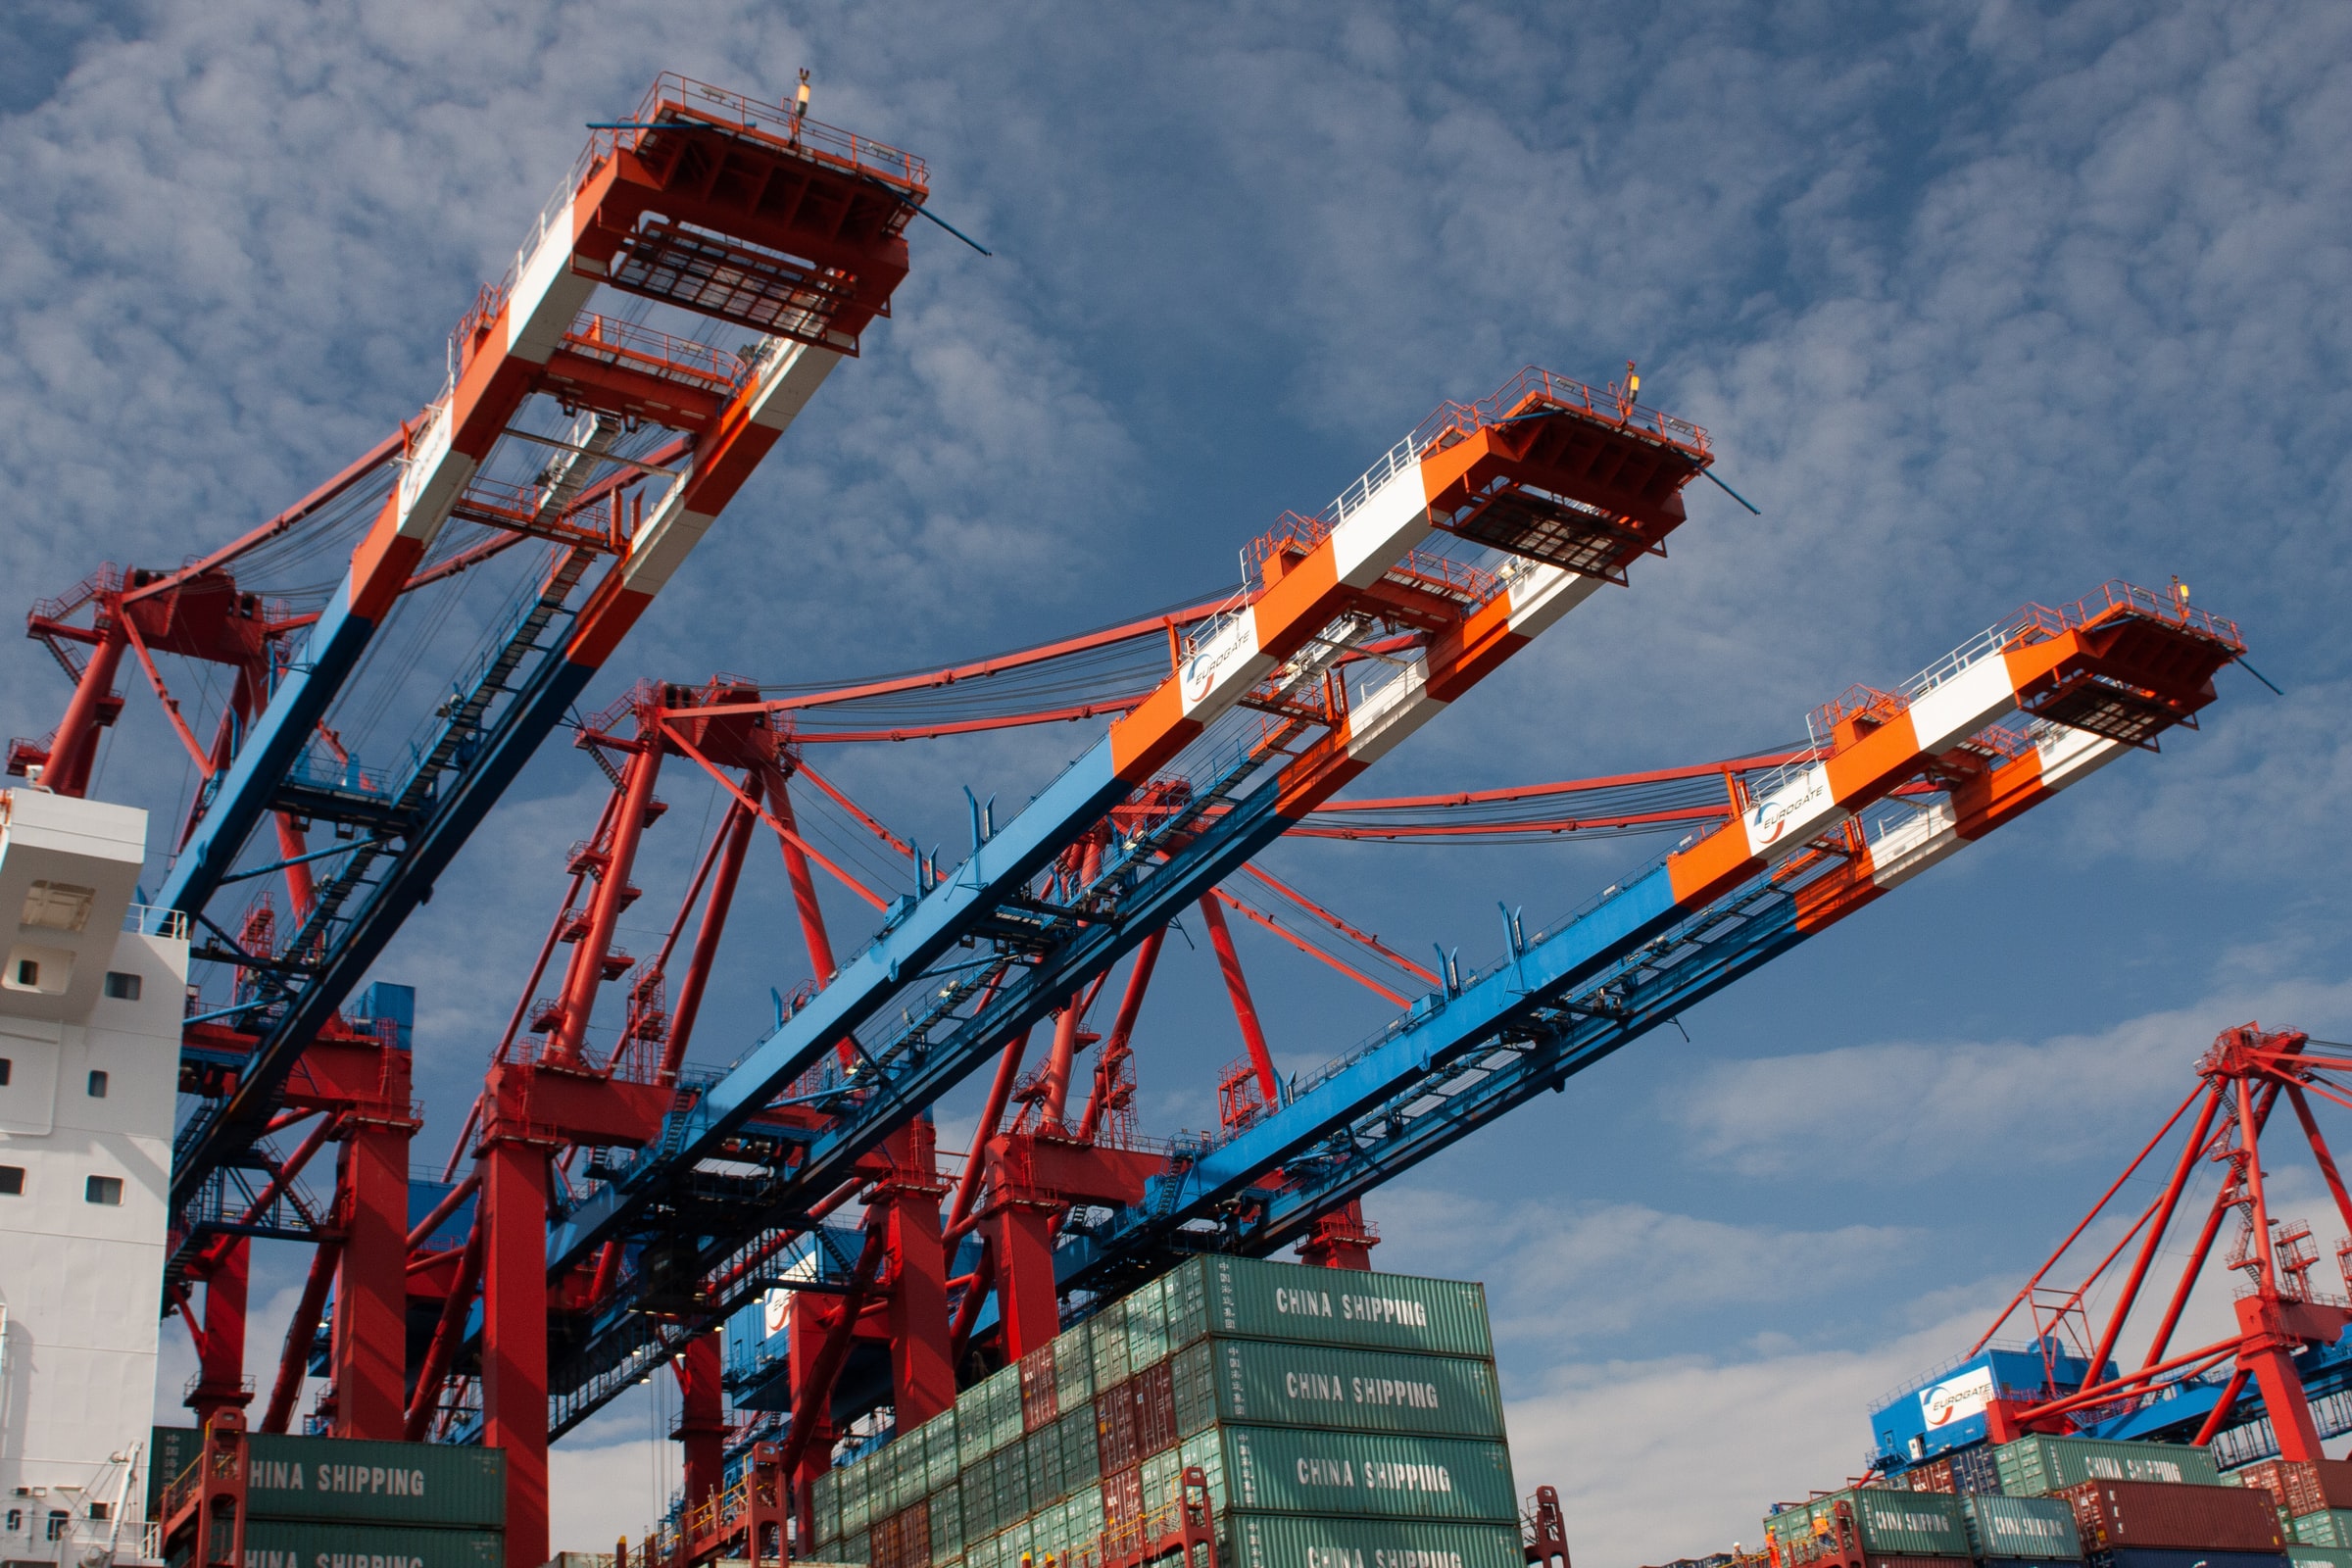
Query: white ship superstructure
[{"x": 92, "y": 988}]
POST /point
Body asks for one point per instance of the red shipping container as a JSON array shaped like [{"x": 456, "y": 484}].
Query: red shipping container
[
  {"x": 904, "y": 1539},
  {"x": 2268, "y": 1476},
  {"x": 1153, "y": 1395},
  {"x": 1934, "y": 1476},
  {"x": 2114, "y": 1514},
  {"x": 1114, "y": 1431},
  {"x": 1123, "y": 1497},
  {"x": 2318, "y": 1486},
  {"x": 1039, "y": 1407}
]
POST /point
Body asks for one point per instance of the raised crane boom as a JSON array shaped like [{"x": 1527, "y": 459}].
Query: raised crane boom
[
  {"x": 1811, "y": 846},
  {"x": 1275, "y": 704},
  {"x": 708, "y": 202}
]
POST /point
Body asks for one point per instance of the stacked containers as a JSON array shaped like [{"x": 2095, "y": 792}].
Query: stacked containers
[
  {"x": 1873, "y": 1525},
  {"x": 1328, "y": 1410},
  {"x": 2036, "y": 1467},
  {"x": 2155, "y": 1524},
  {"x": 2316, "y": 1496},
  {"x": 2019, "y": 1532},
  {"x": 308, "y": 1500}
]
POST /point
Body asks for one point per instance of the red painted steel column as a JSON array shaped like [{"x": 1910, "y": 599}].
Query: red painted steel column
[
  {"x": 811, "y": 1322},
  {"x": 371, "y": 1295},
  {"x": 1060, "y": 1063},
  {"x": 702, "y": 1428},
  {"x": 67, "y": 770},
  {"x": 1027, "y": 1298},
  {"x": 922, "y": 1377},
  {"x": 736, "y": 832},
  {"x": 301, "y": 1331},
  {"x": 1244, "y": 1010},
  {"x": 513, "y": 1208},
  {"x": 604, "y": 910},
  {"x": 220, "y": 1376},
  {"x": 804, "y": 881}
]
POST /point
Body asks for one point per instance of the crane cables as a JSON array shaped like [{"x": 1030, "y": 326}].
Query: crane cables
[{"x": 1660, "y": 801}]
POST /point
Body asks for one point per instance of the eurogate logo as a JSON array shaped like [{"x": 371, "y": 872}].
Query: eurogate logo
[{"x": 1956, "y": 1398}]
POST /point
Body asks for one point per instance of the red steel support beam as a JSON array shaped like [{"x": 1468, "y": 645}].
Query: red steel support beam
[
  {"x": 991, "y": 1115},
  {"x": 221, "y": 1373},
  {"x": 2159, "y": 1223},
  {"x": 513, "y": 1214},
  {"x": 1122, "y": 1029},
  {"x": 734, "y": 839},
  {"x": 294, "y": 1364},
  {"x": 445, "y": 1334},
  {"x": 587, "y": 972},
  {"x": 1244, "y": 1010},
  {"x": 68, "y": 772},
  {"x": 906, "y": 1208},
  {"x": 803, "y": 880},
  {"x": 702, "y": 1428},
  {"x": 371, "y": 1328}
]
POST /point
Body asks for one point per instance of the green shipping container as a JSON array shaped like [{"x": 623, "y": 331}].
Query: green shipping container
[
  {"x": 1258, "y": 1300},
  {"x": 1191, "y": 1372},
  {"x": 1288, "y": 1540},
  {"x": 2332, "y": 1527},
  {"x": 1283, "y": 1470},
  {"x": 1358, "y": 1390},
  {"x": 2021, "y": 1527},
  {"x": 2035, "y": 1466},
  {"x": 2299, "y": 1555},
  {"x": 946, "y": 1522},
  {"x": 170, "y": 1452},
  {"x": 433, "y": 1484},
  {"x": 324, "y": 1544},
  {"x": 1893, "y": 1522}
]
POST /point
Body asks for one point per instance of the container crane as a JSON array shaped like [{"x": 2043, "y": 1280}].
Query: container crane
[{"x": 567, "y": 422}]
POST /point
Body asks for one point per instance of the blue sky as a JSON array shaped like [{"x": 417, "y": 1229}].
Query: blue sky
[{"x": 1982, "y": 306}]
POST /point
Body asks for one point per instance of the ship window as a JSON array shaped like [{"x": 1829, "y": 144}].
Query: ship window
[
  {"x": 57, "y": 1524},
  {"x": 3, "y": 1066},
  {"x": 102, "y": 1510},
  {"x": 97, "y": 1086},
  {"x": 103, "y": 1190},
  {"x": 16, "y": 1520},
  {"x": 12, "y": 1181},
  {"x": 29, "y": 974},
  {"x": 58, "y": 906},
  {"x": 122, "y": 986}
]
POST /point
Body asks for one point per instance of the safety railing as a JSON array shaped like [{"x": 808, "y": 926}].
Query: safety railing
[
  {"x": 150, "y": 920},
  {"x": 1536, "y": 386},
  {"x": 720, "y": 105},
  {"x": 625, "y": 344}
]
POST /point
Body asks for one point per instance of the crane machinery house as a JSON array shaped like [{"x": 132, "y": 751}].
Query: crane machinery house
[{"x": 91, "y": 1003}]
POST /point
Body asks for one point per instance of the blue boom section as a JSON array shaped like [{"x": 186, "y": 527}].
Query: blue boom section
[
  {"x": 955, "y": 1023},
  {"x": 407, "y": 833}
]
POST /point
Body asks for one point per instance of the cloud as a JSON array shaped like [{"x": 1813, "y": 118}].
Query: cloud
[
  {"x": 1925, "y": 1109},
  {"x": 1564, "y": 1283}
]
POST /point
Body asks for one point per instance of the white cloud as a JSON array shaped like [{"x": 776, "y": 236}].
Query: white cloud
[{"x": 1927, "y": 1109}]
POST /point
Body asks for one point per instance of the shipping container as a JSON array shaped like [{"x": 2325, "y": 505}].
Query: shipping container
[
  {"x": 2021, "y": 1527},
  {"x": 2330, "y": 1527},
  {"x": 2035, "y": 1466},
  {"x": 1106, "y": 1345},
  {"x": 2300, "y": 1555},
  {"x": 341, "y": 1543},
  {"x": 170, "y": 1452},
  {"x": 1975, "y": 1472},
  {"x": 1192, "y": 1376},
  {"x": 1291, "y": 1540},
  {"x": 1278, "y": 1470},
  {"x": 1909, "y": 1524},
  {"x": 904, "y": 1539},
  {"x": 1360, "y": 1391},
  {"x": 1152, "y": 1396},
  {"x": 1934, "y": 1476},
  {"x": 1259, "y": 1300},
  {"x": 2311, "y": 1487},
  {"x": 431, "y": 1484},
  {"x": 2188, "y": 1557},
  {"x": 2116, "y": 1514}
]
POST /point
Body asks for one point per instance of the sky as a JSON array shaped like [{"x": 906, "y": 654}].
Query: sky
[{"x": 1981, "y": 305}]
